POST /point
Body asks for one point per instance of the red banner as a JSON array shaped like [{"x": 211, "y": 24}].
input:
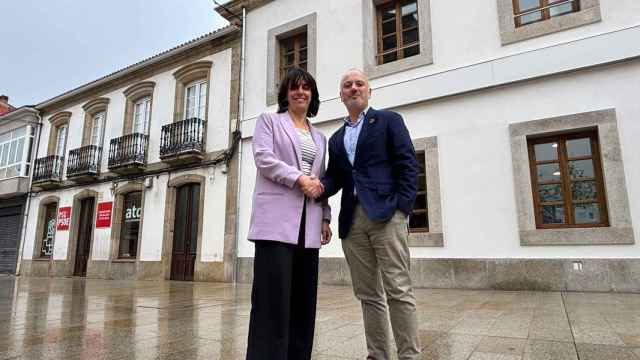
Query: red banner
[
  {"x": 64, "y": 218},
  {"x": 103, "y": 217}
]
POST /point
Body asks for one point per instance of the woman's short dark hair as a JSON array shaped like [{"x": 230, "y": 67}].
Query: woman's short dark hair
[{"x": 294, "y": 77}]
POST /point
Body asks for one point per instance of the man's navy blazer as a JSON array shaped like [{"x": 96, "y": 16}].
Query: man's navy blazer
[{"x": 384, "y": 172}]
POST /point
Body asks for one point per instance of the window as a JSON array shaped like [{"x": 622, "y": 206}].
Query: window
[
  {"x": 398, "y": 35},
  {"x": 289, "y": 45},
  {"x": 15, "y": 148},
  {"x": 293, "y": 53},
  {"x": 141, "y": 115},
  {"x": 525, "y": 19},
  {"x": 97, "y": 126},
  {"x": 567, "y": 181},
  {"x": 48, "y": 230},
  {"x": 61, "y": 140},
  {"x": 130, "y": 226},
  {"x": 419, "y": 220},
  {"x": 530, "y": 11},
  {"x": 195, "y": 100}
]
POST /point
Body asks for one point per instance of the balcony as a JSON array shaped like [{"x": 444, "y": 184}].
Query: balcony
[
  {"x": 47, "y": 172},
  {"x": 183, "y": 141},
  {"x": 84, "y": 163},
  {"x": 128, "y": 154}
]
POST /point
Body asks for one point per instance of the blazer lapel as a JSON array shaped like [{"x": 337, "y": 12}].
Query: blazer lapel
[
  {"x": 341, "y": 149},
  {"x": 287, "y": 123},
  {"x": 368, "y": 118}
]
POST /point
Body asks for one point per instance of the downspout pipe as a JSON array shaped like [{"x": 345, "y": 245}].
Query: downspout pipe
[
  {"x": 234, "y": 276},
  {"x": 25, "y": 216}
]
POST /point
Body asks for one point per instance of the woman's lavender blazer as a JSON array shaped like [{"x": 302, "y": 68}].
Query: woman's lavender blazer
[{"x": 277, "y": 200}]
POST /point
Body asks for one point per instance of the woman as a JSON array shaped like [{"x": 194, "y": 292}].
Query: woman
[{"x": 287, "y": 225}]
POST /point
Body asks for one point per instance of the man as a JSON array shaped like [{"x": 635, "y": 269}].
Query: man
[{"x": 372, "y": 160}]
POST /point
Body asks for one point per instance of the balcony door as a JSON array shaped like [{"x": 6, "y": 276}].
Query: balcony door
[
  {"x": 195, "y": 100},
  {"x": 185, "y": 232},
  {"x": 61, "y": 140},
  {"x": 85, "y": 229},
  {"x": 97, "y": 127},
  {"x": 142, "y": 115}
]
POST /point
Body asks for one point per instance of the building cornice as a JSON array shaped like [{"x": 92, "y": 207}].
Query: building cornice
[{"x": 232, "y": 10}]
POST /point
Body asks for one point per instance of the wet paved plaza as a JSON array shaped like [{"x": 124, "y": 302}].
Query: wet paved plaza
[{"x": 103, "y": 319}]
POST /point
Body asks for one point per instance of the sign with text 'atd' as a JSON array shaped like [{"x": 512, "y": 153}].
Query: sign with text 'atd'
[
  {"x": 103, "y": 216},
  {"x": 64, "y": 218}
]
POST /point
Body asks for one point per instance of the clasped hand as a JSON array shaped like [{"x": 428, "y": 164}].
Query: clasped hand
[{"x": 310, "y": 186}]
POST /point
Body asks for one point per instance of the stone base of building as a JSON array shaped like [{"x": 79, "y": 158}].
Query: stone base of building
[{"x": 596, "y": 275}]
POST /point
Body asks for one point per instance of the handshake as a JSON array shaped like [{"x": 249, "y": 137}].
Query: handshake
[{"x": 310, "y": 186}]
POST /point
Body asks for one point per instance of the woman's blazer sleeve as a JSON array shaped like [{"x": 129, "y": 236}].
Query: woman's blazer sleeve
[
  {"x": 267, "y": 163},
  {"x": 326, "y": 208}
]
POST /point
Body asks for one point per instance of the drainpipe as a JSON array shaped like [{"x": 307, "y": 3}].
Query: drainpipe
[
  {"x": 234, "y": 276},
  {"x": 25, "y": 217}
]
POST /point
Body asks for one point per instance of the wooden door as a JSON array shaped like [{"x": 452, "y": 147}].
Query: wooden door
[
  {"x": 85, "y": 227},
  {"x": 185, "y": 232}
]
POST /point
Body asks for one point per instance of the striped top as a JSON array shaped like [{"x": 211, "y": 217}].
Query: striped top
[{"x": 307, "y": 150}]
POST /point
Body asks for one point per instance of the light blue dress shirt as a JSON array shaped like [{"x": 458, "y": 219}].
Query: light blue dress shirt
[{"x": 351, "y": 134}]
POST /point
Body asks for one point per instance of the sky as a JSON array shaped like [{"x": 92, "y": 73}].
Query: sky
[{"x": 48, "y": 47}]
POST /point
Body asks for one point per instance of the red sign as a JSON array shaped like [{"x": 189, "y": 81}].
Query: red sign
[
  {"x": 103, "y": 217},
  {"x": 64, "y": 218}
]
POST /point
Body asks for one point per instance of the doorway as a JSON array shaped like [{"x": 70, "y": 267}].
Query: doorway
[
  {"x": 185, "y": 232},
  {"x": 85, "y": 227}
]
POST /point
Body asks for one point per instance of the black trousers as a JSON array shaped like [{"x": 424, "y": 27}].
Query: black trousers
[{"x": 283, "y": 300}]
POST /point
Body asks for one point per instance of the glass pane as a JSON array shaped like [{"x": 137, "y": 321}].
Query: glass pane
[
  {"x": 421, "y": 202},
  {"x": 288, "y": 59},
  {"x": 584, "y": 190},
  {"x": 528, "y": 4},
  {"x": 422, "y": 183},
  {"x": 411, "y": 51},
  {"x": 548, "y": 172},
  {"x": 12, "y": 152},
  {"x": 49, "y": 230},
  {"x": 131, "y": 215},
  {"x": 530, "y": 18},
  {"x": 388, "y": 27},
  {"x": 410, "y": 20},
  {"x": 418, "y": 221},
  {"x": 546, "y": 152},
  {"x": 388, "y": 13},
  {"x": 581, "y": 169},
  {"x": 409, "y": 37},
  {"x": 303, "y": 55},
  {"x": 409, "y": 7},
  {"x": 302, "y": 39},
  {"x": 19, "y": 132},
  {"x": 287, "y": 45},
  {"x": 579, "y": 147},
  {"x": 5, "y": 137},
  {"x": 389, "y": 43},
  {"x": 550, "y": 192},
  {"x": 553, "y": 214},
  {"x": 5, "y": 154},
  {"x": 561, "y": 9},
  {"x": 19, "y": 157},
  {"x": 586, "y": 213},
  {"x": 389, "y": 57}
]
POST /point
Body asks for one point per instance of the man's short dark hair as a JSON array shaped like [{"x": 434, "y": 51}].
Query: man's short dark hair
[{"x": 293, "y": 77}]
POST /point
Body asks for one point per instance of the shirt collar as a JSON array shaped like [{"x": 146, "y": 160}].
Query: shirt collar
[{"x": 347, "y": 120}]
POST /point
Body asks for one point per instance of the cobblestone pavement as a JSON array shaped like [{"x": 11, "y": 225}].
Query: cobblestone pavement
[{"x": 108, "y": 319}]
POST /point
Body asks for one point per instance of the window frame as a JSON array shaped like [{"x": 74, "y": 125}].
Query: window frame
[
  {"x": 200, "y": 86},
  {"x": 118, "y": 216},
  {"x": 187, "y": 75},
  {"x": 297, "y": 49},
  {"x": 620, "y": 230},
  {"x": 588, "y": 13},
  {"x": 97, "y": 118},
  {"x": 306, "y": 23},
  {"x": 123, "y": 220},
  {"x": 400, "y": 48},
  {"x": 58, "y": 149},
  {"x": 145, "y": 103},
  {"x": 565, "y": 178},
  {"x": 133, "y": 95},
  {"x": 545, "y": 7},
  {"x": 371, "y": 33},
  {"x": 421, "y": 157},
  {"x": 20, "y": 159}
]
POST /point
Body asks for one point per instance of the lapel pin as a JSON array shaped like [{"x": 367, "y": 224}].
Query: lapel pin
[{"x": 372, "y": 120}]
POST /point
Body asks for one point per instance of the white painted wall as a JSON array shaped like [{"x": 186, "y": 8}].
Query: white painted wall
[
  {"x": 161, "y": 112},
  {"x": 476, "y": 177}
]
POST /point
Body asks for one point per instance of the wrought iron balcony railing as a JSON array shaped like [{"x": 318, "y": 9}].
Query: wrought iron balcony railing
[
  {"x": 186, "y": 136},
  {"x": 84, "y": 161},
  {"x": 128, "y": 150},
  {"x": 48, "y": 168}
]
